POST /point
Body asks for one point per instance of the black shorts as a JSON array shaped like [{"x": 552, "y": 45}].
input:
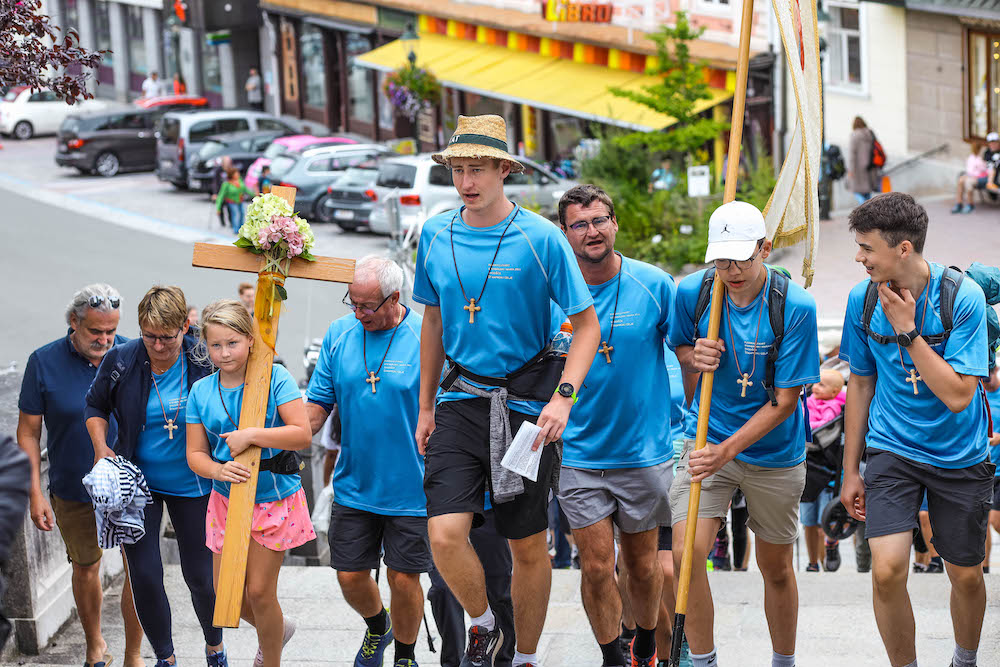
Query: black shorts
[
  {"x": 358, "y": 537},
  {"x": 665, "y": 539},
  {"x": 958, "y": 501},
  {"x": 457, "y": 470},
  {"x": 996, "y": 495}
]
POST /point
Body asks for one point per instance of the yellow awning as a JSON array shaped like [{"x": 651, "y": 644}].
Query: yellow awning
[{"x": 559, "y": 85}]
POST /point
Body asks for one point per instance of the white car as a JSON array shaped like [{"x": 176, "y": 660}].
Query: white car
[{"x": 25, "y": 114}]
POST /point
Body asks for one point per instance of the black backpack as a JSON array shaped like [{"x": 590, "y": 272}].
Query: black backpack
[
  {"x": 988, "y": 278},
  {"x": 776, "y": 297}
]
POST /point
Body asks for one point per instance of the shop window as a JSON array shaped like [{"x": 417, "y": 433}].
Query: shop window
[
  {"x": 984, "y": 83},
  {"x": 360, "y": 80},
  {"x": 845, "y": 44},
  {"x": 136, "y": 40},
  {"x": 313, "y": 65},
  {"x": 210, "y": 69}
]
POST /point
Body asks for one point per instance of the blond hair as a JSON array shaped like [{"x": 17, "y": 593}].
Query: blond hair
[
  {"x": 835, "y": 377},
  {"x": 227, "y": 313},
  {"x": 163, "y": 308}
]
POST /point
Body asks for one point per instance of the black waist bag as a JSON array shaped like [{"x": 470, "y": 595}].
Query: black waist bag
[
  {"x": 285, "y": 462},
  {"x": 536, "y": 380}
]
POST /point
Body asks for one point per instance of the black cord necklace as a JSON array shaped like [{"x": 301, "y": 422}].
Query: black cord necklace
[
  {"x": 472, "y": 307},
  {"x": 223, "y": 401},
  {"x": 372, "y": 378},
  {"x": 605, "y": 348}
]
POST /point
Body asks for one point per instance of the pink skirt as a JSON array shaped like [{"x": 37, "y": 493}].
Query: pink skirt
[{"x": 279, "y": 525}]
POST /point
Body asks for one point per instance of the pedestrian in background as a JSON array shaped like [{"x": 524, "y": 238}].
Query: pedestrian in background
[
  {"x": 255, "y": 91},
  {"x": 152, "y": 86},
  {"x": 231, "y": 195},
  {"x": 180, "y": 88},
  {"x": 863, "y": 179}
]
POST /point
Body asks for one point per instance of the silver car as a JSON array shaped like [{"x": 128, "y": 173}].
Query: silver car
[{"x": 425, "y": 189}]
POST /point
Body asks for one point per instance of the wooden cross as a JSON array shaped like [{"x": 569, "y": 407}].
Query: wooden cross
[
  {"x": 914, "y": 378},
  {"x": 745, "y": 381},
  {"x": 472, "y": 308},
  {"x": 606, "y": 350},
  {"x": 232, "y": 574},
  {"x": 372, "y": 379},
  {"x": 171, "y": 427}
]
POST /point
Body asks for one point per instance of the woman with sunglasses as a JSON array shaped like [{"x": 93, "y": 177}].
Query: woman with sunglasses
[{"x": 144, "y": 385}]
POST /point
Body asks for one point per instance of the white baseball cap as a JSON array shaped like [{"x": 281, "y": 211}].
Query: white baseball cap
[
  {"x": 993, "y": 136},
  {"x": 734, "y": 230}
]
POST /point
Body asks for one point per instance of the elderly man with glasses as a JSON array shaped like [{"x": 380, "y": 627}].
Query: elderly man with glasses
[
  {"x": 369, "y": 366},
  {"x": 55, "y": 384},
  {"x": 756, "y": 436}
]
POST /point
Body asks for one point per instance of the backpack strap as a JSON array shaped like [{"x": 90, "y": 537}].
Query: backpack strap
[
  {"x": 871, "y": 300},
  {"x": 776, "y": 297},
  {"x": 704, "y": 299},
  {"x": 951, "y": 280}
]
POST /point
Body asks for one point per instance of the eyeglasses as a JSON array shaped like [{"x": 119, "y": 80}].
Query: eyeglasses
[
  {"x": 152, "y": 340},
  {"x": 741, "y": 264},
  {"x": 96, "y": 301},
  {"x": 600, "y": 224},
  {"x": 365, "y": 311}
]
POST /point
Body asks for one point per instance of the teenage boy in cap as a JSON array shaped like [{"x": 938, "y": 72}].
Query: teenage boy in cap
[
  {"x": 617, "y": 452},
  {"x": 756, "y": 434},
  {"x": 486, "y": 273},
  {"x": 914, "y": 401}
]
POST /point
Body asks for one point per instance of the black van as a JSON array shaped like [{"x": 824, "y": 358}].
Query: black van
[{"x": 108, "y": 142}]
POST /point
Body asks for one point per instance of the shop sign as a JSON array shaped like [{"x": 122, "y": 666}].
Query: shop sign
[{"x": 577, "y": 12}]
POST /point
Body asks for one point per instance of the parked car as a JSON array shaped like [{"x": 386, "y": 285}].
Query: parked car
[
  {"x": 180, "y": 134},
  {"x": 295, "y": 143},
  {"x": 350, "y": 198},
  {"x": 311, "y": 172},
  {"x": 241, "y": 147},
  {"x": 26, "y": 114},
  {"x": 172, "y": 102},
  {"x": 425, "y": 189},
  {"x": 107, "y": 142}
]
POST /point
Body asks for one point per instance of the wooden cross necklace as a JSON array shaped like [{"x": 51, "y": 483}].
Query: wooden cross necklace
[
  {"x": 472, "y": 307},
  {"x": 606, "y": 349},
  {"x": 912, "y": 372},
  {"x": 744, "y": 377},
  {"x": 169, "y": 425},
  {"x": 372, "y": 378}
]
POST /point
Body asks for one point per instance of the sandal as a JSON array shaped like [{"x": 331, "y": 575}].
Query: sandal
[{"x": 105, "y": 662}]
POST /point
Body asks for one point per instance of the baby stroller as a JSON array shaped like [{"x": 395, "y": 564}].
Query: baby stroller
[{"x": 824, "y": 464}]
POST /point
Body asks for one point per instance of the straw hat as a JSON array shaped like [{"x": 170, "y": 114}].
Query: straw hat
[{"x": 479, "y": 137}]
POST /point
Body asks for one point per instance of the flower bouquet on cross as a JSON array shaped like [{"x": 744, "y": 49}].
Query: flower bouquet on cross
[
  {"x": 273, "y": 230},
  {"x": 411, "y": 89}
]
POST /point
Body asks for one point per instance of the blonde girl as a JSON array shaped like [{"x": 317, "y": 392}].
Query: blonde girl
[{"x": 280, "y": 516}]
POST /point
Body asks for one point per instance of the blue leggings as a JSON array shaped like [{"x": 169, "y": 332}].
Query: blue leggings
[{"x": 146, "y": 571}]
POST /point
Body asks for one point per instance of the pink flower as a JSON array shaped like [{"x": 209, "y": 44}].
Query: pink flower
[{"x": 262, "y": 239}]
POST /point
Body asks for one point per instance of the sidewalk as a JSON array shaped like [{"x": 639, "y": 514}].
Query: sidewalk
[
  {"x": 836, "y": 624},
  {"x": 955, "y": 240}
]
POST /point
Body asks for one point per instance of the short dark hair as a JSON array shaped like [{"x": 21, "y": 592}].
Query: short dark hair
[
  {"x": 584, "y": 195},
  {"x": 895, "y": 215}
]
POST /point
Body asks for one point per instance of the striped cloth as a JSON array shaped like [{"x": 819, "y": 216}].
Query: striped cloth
[{"x": 118, "y": 489}]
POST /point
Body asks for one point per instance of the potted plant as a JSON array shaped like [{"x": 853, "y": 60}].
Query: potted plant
[{"x": 411, "y": 89}]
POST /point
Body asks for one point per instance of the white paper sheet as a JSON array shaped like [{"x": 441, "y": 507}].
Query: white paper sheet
[{"x": 519, "y": 457}]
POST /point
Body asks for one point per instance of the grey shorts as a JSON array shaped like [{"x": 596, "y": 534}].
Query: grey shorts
[
  {"x": 772, "y": 496},
  {"x": 636, "y": 499}
]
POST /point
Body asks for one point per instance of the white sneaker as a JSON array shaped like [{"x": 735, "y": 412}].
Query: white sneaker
[{"x": 289, "y": 631}]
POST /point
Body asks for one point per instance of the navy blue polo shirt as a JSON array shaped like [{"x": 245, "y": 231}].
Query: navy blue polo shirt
[{"x": 55, "y": 386}]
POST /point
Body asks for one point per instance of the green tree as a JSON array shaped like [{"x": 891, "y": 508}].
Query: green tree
[{"x": 682, "y": 85}]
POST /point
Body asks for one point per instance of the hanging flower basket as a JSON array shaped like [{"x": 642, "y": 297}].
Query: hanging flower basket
[{"x": 411, "y": 89}]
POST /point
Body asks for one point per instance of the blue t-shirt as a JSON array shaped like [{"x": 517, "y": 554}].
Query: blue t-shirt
[
  {"x": 205, "y": 407},
  {"x": 994, "y": 399},
  {"x": 535, "y": 264},
  {"x": 619, "y": 420},
  {"x": 163, "y": 459},
  {"x": 920, "y": 427},
  {"x": 55, "y": 384},
  {"x": 797, "y": 365},
  {"x": 379, "y": 469},
  {"x": 678, "y": 401}
]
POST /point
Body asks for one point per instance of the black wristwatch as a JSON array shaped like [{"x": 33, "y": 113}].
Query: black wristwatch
[
  {"x": 566, "y": 390},
  {"x": 906, "y": 339}
]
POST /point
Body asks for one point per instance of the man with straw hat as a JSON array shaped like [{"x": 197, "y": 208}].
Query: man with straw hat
[
  {"x": 756, "y": 436},
  {"x": 486, "y": 273}
]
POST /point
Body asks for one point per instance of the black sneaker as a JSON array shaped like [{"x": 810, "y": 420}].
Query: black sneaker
[
  {"x": 832, "y": 562},
  {"x": 934, "y": 568},
  {"x": 482, "y": 647},
  {"x": 957, "y": 208}
]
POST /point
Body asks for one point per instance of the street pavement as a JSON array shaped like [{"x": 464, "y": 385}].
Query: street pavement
[
  {"x": 62, "y": 231},
  {"x": 836, "y": 624}
]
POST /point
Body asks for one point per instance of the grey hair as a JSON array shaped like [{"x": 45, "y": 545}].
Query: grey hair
[
  {"x": 386, "y": 271},
  {"x": 80, "y": 302}
]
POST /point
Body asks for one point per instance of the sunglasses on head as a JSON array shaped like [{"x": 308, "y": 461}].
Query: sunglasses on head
[{"x": 96, "y": 301}]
